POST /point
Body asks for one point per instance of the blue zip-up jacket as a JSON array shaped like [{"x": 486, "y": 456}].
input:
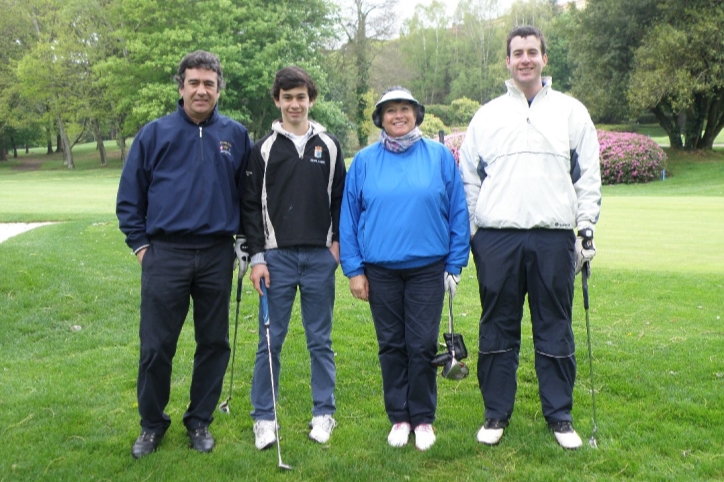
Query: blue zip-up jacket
[
  {"x": 404, "y": 210},
  {"x": 183, "y": 179}
]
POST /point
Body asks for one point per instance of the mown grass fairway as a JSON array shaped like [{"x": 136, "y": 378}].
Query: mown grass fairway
[{"x": 69, "y": 296}]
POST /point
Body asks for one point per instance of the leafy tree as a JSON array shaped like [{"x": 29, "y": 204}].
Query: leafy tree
[
  {"x": 559, "y": 39},
  {"x": 366, "y": 23},
  {"x": 20, "y": 122},
  {"x": 662, "y": 56},
  {"x": 478, "y": 59},
  {"x": 679, "y": 73},
  {"x": 427, "y": 50},
  {"x": 607, "y": 32}
]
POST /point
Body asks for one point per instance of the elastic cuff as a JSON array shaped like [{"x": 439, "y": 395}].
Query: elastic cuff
[
  {"x": 258, "y": 258},
  {"x": 142, "y": 247}
]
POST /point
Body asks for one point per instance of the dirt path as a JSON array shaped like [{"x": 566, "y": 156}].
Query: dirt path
[
  {"x": 29, "y": 165},
  {"x": 8, "y": 230}
]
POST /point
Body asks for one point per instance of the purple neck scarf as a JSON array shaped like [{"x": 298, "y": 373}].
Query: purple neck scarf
[{"x": 400, "y": 144}]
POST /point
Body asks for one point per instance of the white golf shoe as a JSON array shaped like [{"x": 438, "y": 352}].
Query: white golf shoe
[
  {"x": 565, "y": 435},
  {"x": 399, "y": 435},
  {"x": 424, "y": 436},
  {"x": 492, "y": 431},
  {"x": 264, "y": 434},
  {"x": 322, "y": 426}
]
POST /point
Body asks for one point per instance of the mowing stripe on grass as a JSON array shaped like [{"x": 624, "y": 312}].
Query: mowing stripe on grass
[{"x": 678, "y": 234}]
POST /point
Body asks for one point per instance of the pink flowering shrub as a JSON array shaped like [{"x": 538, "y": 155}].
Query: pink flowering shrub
[
  {"x": 625, "y": 157},
  {"x": 628, "y": 158},
  {"x": 453, "y": 142}
]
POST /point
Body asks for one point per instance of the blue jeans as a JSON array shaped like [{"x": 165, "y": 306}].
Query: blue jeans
[{"x": 311, "y": 269}]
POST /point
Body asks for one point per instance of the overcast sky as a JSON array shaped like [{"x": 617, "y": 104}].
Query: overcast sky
[{"x": 406, "y": 8}]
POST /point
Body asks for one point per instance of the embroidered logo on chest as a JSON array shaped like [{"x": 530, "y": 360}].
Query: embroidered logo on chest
[{"x": 225, "y": 148}]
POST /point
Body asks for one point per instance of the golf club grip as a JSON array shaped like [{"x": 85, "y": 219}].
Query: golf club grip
[
  {"x": 264, "y": 303},
  {"x": 584, "y": 283},
  {"x": 238, "y": 289}
]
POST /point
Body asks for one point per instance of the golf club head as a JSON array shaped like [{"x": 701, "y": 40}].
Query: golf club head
[
  {"x": 592, "y": 442},
  {"x": 284, "y": 466},
  {"x": 455, "y": 370},
  {"x": 224, "y": 406}
]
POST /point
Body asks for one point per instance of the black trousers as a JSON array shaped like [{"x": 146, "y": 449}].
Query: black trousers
[
  {"x": 171, "y": 276},
  {"x": 511, "y": 263},
  {"x": 406, "y": 306}
]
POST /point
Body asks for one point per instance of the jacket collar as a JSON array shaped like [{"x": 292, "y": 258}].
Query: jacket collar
[
  {"x": 209, "y": 120},
  {"x": 515, "y": 91},
  {"x": 317, "y": 128}
]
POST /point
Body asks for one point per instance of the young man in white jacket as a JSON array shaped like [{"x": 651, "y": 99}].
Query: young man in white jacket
[{"x": 532, "y": 180}]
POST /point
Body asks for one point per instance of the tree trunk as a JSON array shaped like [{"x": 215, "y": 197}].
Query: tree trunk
[
  {"x": 714, "y": 121},
  {"x": 122, "y": 144},
  {"x": 67, "y": 153},
  {"x": 670, "y": 127},
  {"x": 3, "y": 154},
  {"x": 96, "y": 125},
  {"x": 15, "y": 148},
  {"x": 361, "y": 46},
  {"x": 59, "y": 142},
  {"x": 50, "y": 143}
]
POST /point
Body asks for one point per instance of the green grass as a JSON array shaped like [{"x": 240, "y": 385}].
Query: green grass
[{"x": 67, "y": 396}]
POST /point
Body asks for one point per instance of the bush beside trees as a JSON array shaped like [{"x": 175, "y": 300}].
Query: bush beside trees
[
  {"x": 628, "y": 158},
  {"x": 432, "y": 126}
]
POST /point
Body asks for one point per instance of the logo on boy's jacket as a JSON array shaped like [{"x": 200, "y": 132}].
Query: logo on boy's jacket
[
  {"x": 317, "y": 152},
  {"x": 225, "y": 148}
]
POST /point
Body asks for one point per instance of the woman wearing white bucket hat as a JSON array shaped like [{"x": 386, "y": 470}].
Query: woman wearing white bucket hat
[{"x": 404, "y": 239}]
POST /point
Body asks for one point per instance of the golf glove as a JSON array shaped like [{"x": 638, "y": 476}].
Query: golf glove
[
  {"x": 451, "y": 283},
  {"x": 242, "y": 254},
  {"x": 585, "y": 249}
]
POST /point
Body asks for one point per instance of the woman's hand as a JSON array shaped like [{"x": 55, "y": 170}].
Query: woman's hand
[{"x": 359, "y": 288}]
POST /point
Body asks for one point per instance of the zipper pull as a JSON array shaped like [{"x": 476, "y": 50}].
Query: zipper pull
[{"x": 201, "y": 132}]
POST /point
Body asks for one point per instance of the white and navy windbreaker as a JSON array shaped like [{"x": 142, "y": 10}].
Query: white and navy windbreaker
[
  {"x": 534, "y": 166},
  {"x": 292, "y": 199}
]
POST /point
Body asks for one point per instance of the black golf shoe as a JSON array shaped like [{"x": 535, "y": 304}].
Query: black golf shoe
[
  {"x": 146, "y": 443},
  {"x": 201, "y": 439}
]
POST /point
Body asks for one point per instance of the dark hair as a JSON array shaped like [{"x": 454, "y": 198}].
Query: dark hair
[
  {"x": 291, "y": 77},
  {"x": 199, "y": 59},
  {"x": 525, "y": 31}
]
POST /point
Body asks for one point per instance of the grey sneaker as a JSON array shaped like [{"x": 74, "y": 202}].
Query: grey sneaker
[
  {"x": 264, "y": 434},
  {"x": 322, "y": 426}
]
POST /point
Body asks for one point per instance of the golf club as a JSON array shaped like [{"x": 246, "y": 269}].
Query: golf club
[
  {"x": 224, "y": 406},
  {"x": 264, "y": 307},
  {"x": 453, "y": 369},
  {"x": 585, "y": 274}
]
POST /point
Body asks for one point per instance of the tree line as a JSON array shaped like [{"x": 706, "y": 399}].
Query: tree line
[{"x": 74, "y": 69}]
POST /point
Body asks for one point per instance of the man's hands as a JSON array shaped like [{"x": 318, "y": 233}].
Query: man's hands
[
  {"x": 260, "y": 274},
  {"x": 242, "y": 254},
  {"x": 139, "y": 255},
  {"x": 451, "y": 283},
  {"x": 585, "y": 249}
]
